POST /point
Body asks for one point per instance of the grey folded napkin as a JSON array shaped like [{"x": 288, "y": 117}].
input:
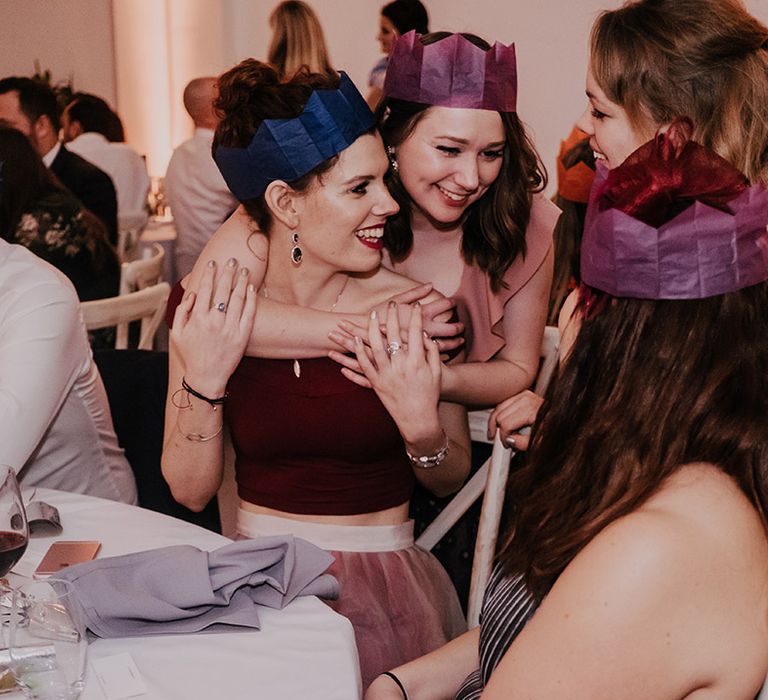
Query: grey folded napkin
[{"x": 181, "y": 589}]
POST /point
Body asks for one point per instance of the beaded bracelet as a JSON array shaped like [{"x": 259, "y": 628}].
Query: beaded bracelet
[
  {"x": 213, "y": 402},
  {"x": 400, "y": 685},
  {"x": 429, "y": 461}
]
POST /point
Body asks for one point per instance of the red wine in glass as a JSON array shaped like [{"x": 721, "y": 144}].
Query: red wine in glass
[
  {"x": 14, "y": 531},
  {"x": 12, "y": 547}
]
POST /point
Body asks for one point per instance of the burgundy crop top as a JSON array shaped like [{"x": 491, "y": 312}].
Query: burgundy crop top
[{"x": 315, "y": 445}]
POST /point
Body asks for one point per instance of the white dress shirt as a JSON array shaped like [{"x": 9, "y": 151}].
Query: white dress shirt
[
  {"x": 199, "y": 198},
  {"x": 55, "y": 425},
  {"x": 118, "y": 160},
  {"x": 49, "y": 157}
]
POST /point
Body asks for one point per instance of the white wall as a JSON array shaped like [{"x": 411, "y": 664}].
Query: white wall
[
  {"x": 71, "y": 38},
  {"x": 160, "y": 44}
]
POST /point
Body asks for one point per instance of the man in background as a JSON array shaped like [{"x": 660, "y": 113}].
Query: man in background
[
  {"x": 199, "y": 198},
  {"x": 31, "y": 107},
  {"x": 84, "y": 125}
]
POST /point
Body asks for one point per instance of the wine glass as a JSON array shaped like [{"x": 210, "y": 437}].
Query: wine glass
[
  {"x": 14, "y": 531},
  {"x": 47, "y": 641}
]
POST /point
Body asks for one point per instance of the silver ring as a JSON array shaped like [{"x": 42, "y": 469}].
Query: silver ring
[
  {"x": 393, "y": 348},
  {"x": 510, "y": 442},
  {"x": 221, "y": 306}
]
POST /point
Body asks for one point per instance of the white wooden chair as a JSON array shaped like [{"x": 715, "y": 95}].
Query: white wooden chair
[
  {"x": 146, "y": 305},
  {"x": 143, "y": 272},
  {"x": 139, "y": 274},
  {"x": 491, "y": 478},
  {"x": 129, "y": 230}
]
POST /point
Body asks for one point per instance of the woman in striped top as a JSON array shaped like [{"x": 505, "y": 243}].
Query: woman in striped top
[{"x": 638, "y": 542}]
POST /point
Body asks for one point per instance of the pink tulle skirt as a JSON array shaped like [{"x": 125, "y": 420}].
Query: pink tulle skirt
[{"x": 397, "y": 596}]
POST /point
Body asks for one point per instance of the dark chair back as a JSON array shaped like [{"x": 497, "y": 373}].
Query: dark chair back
[{"x": 136, "y": 382}]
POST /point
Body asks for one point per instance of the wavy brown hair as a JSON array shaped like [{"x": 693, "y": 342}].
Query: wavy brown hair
[
  {"x": 253, "y": 91},
  {"x": 494, "y": 226},
  {"x": 703, "y": 59},
  {"x": 648, "y": 386}
]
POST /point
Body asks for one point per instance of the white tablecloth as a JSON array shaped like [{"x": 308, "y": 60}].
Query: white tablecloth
[{"x": 303, "y": 651}]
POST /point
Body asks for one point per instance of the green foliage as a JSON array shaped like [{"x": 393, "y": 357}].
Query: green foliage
[{"x": 64, "y": 89}]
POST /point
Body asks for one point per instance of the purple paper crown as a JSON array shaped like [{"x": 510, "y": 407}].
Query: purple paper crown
[
  {"x": 708, "y": 244},
  {"x": 286, "y": 149},
  {"x": 452, "y": 72}
]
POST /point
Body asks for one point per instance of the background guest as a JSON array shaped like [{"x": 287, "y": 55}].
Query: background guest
[
  {"x": 575, "y": 173},
  {"x": 55, "y": 425},
  {"x": 31, "y": 107},
  {"x": 199, "y": 198},
  {"x": 297, "y": 40},
  {"x": 84, "y": 123},
  {"x": 397, "y": 18},
  {"x": 42, "y": 215}
]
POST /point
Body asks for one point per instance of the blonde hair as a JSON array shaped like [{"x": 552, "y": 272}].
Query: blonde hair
[
  {"x": 297, "y": 40},
  {"x": 704, "y": 59}
]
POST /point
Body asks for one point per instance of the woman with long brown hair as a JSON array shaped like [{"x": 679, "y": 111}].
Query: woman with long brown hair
[
  {"x": 650, "y": 63},
  {"x": 638, "y": 526}
]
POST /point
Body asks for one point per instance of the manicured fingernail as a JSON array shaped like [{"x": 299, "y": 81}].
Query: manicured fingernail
[
  {"x": 211, "y": 263},
  {"x": 231, "y": 262},
  {"x": 244, "y": 271},
  {"x": 426, "y": 335},
  {"x": 391, "y": 304},
  {"x": 357, "y": 340},
  {"x": 373, "y": 314},
  {"x": 251, "y": 288},
  {"x": 417, "y": 303}
]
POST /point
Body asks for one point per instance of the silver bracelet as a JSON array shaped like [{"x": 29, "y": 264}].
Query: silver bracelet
[{"x": 430, "y": 461}]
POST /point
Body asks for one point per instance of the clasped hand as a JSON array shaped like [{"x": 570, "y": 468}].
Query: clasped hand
[
  {"x": 405, "y": 374},
  {"x": 434, "y": 317},
  {"x": 514, "y": 415}
]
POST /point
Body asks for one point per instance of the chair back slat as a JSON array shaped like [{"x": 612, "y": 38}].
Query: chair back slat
[
  {"x": 136, "y": 275},
  {"x": 490, "y": 480},
  {"x": 146, "y": 305}
]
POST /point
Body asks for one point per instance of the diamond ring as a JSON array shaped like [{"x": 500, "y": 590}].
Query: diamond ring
[
  {"x": 221, "y": 306},
  {"x": 393, "y": 348}
]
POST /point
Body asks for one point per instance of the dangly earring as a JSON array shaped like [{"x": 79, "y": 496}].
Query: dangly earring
[
  {"x": 296, "y": 251},
  {"x": 392, "y": 158}
]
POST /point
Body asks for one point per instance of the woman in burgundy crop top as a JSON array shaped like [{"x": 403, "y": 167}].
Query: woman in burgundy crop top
[{"x": 318, "y": 453}]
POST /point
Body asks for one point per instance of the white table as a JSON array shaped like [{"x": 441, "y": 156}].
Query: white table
[{"x": 303, "y": 651}]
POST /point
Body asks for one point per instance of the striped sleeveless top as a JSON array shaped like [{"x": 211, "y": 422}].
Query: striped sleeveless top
[{"x": 507, "y": 607}]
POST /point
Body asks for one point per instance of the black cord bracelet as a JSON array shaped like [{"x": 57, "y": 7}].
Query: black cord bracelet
[
  {"x": 391, "y": 675},
  {"x": 213, "y": 402}
]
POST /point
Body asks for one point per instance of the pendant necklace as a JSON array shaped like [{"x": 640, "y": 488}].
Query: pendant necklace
[{"x": 296, "y": 365}]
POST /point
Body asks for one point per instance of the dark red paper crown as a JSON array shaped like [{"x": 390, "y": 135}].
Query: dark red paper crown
[{"x": 674, "y": 221}]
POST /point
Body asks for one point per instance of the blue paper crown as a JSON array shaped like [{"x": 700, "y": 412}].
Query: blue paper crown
[{"x": 286, "y": 149}]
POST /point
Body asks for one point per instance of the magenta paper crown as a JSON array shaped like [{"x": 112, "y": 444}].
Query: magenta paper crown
[
  {"x": 452, "y": 72},
  {"x": 697, "y": 229}
]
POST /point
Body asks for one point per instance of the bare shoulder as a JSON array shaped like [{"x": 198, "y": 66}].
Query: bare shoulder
[
  {"x": 696, "y": 525},
  {"x": 239, "y": 238},
  {"x": 649, "y": 600}
]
